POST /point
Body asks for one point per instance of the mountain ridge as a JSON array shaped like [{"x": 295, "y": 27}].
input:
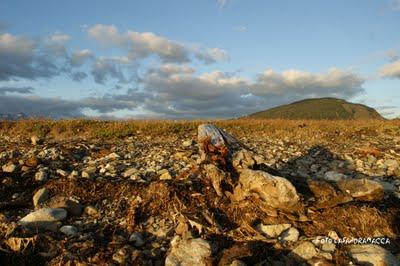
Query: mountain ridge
[{"x": 327, "y": 108}]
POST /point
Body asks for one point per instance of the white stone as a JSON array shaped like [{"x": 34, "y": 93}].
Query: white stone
[
  {"x": 273, "y": 230},
  {"x": 62, "y": 172},
  {"x": 189, "y": 252},
  {"x": 35, "y": 140},
  {"x": 187, "y": 143},
  {"x": 165, "y": 176},
  {"x": 91, "y": 211},
  {"x": 328, "y": 247},
  {"x": 9, "y": 168},
  {"x": 276, "y": 192},
  {"x": 290, "y": 235},
  {"x": 41, "y": 176},
  {"x": 130, "y": 172},
  {"x": 373, "y": 255},
  {"x": 334, "y": 176},
  {"x": 305, "y": 251}
]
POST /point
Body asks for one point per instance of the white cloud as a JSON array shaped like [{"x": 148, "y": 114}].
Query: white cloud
[
  {"x": 79, "y": 57},
  {"x": 178, "y": 91},
  {"x": 212, "y": 55},
  {"x": 20, "y": 90},
  {"x": 22, "y": 57},
  {"x": 391, "y": 70},
  {"x": 144, "y": 44},
  {"x": 334, "y": 82}
]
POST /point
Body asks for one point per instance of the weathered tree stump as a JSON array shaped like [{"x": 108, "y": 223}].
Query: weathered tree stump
[{"x": 218, "y": 147}]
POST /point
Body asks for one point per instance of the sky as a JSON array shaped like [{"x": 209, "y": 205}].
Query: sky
[{"x": 195, "y": 59}]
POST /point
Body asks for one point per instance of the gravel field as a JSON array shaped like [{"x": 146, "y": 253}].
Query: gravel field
[{"x": 154, "y": 193}]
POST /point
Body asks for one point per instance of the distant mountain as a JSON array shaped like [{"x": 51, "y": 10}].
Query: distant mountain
[
  {"x": 13, "y": 116},
  {"x": 320, "y": 108}
]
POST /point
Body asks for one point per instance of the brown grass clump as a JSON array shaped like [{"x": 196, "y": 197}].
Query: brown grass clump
[{"x": 353, "y": 221}]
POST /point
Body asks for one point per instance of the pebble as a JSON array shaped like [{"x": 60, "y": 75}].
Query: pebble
[
  {"x": 334, "y": 176},
  {"x": 91, "y": 211},
  {"x": 130, "y": 172},
  {"x": 187, "y": 143},
  {"x": 41, "y": 176},
  {"x": 136, "y": 239},
  {"x": 273, "y": 230},
  {"x": 35, "y": 140},
  {"x": 9, "y": 168},
  {"x": 165, "y": 176}
]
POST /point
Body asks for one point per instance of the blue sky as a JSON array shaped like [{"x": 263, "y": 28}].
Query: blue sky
[{"x": 195, "y": 59}]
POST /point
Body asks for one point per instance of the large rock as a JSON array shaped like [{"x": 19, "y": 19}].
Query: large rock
[
  {"x": 373, "y": 255},
  {"x": 326, "y": 195},
  {"x": 46, "y": 218},
  {"x": 74, "y": 208},
  {"x": 276, "y": 192},
  {"x": 304, "y": 251},
  {"x": 189, "y": 252},
  {"x": 362, "y": 189}
]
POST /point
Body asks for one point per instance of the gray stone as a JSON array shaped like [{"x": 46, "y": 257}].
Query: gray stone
[
  {"x": 189, "y": 252},
  {"x": 136, "y": 239},
  {"x": 69, "y": 230},
  {"x": 334, "y": 176},
  {"x": 40, "y": 196},
  {"x": 46, "y": 218},
  {"x": 73, "y": 207},
  {"x": 373, "y": 255}
]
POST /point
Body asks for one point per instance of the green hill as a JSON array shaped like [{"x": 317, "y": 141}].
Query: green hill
[{"x": 321, "y": 108}]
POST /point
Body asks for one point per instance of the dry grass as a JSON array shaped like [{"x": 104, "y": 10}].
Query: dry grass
[{"x": 321, "y": 130}]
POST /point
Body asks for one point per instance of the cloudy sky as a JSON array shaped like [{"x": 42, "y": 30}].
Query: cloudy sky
[{"x": 195, "y": 59}]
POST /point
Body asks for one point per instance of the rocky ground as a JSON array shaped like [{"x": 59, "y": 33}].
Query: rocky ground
[{"x": 289, "y": 196}]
